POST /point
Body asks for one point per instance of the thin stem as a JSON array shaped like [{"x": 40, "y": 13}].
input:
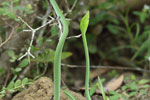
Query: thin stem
[
  {"x": 126, "y": 21},
  {"x": 57, "y": 58},
  {"x": 87, "y": 67}
]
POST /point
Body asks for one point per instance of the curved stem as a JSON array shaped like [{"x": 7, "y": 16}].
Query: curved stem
[
  {"x": 57, "y": 58},
  {"x": 87, "y": 67}
]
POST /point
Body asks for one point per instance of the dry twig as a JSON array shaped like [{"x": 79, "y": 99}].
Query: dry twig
[
  {"x": 108, "y": 67},
  {"x": 10, "y": 36},
  {"x": 28, "y": 53}
]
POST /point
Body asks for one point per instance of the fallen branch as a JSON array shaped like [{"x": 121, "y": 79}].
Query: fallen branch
[{"x": 108, "y": 67}]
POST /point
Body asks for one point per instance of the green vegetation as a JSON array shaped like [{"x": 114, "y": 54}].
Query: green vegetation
[
  {"x": 10, "y": 8},
  {"x": 115, "y": 34},
  {"x": 133, "y": 87},
  {"x": 100, "y": 86},
  {"x": 69, "y": 95},
  {"x": 14, "y": 86},
  {"x": 83, "y": 27}
]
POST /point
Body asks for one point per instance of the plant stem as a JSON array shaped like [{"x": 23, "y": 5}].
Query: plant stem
[
  {"x": 126, "y": 21},
  {"x": 57, "y": 58},
  {"x": 87, "y": 67}
]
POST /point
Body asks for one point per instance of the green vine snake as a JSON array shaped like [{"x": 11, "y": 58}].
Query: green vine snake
[{"x": 58, "y": 52}]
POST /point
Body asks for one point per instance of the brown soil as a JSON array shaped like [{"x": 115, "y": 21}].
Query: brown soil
[{"x": 42, "y": 89}]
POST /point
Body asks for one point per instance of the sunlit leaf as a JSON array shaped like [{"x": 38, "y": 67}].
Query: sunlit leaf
[
  {"x": 24, "y": 81},
  {"x": 17, "y": 83},
  {"x": 143, "y": 81},
  {"x": 11, "y": 85},
  {"x": 18, "y": 69}
]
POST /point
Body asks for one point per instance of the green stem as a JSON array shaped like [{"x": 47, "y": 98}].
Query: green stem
[
  {"x": 126, "y": 21},
  {"x": 87, "y": 67},
  {"x": 57, "y": 58}
]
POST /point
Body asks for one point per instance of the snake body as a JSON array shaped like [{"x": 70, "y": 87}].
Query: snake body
[{"x": 58, "y": 52}]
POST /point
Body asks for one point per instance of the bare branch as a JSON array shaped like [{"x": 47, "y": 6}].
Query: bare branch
[
  {"x": 71, "y": 9},
  {"x": 108, "y": 67},
  {"x": 45, "y": 18},
  {"x": 74, "y": 4},
  {"x": 28, "y": 53},
  {"x": 77, "y": 36}
]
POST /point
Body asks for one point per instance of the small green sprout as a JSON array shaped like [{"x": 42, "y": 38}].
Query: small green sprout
[
  {"x": 83, "y": 27},
  {"x": 69, "y": 95},
  {"x": 100, "y": 86}
]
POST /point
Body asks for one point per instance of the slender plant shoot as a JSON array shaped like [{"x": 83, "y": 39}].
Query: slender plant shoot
[
  {"x": 69, "y": 95},
  {"x": 100, "y": 86},
  {"x": 57, "y": 58},
  {"x": 83, "y": 27}
]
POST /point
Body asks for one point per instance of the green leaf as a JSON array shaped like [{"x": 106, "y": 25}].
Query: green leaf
[
  {"x": 54, "y": 30},
  {"x": 48, "y": 56},
  {"x": 24, "y": 81},
  {"x": 143, "y": 81},
  {"x": 124, "y": 87},
  {"x": 11, "y": 15},
  {"x": 2, "y": 93},
  {"x": 133, "y": 77},
  {"x": 66, "y": 55},
  {"x": 133, "y": 86},
  {"x": 84, "y": 23},
  {"x": 143, "y": 16},
  {"x": 133, "y": 93},
  {"x": 28, "y": 9},
  {"x": 12, "y": 90},
  {"x": 11, "y": 54},
  {"x": 115, "y": 29},
  {"x": 137, "y": 31},
  {"x": 144, "y": 46},
  {"x": 28, "y": 6},
  {"x": 24, "y": 63},
  {"x": 115, "y": 97},
  {"x": 18, "y": 69},
  {"x": 40, "y": 40},
  {"x": 45, "y": 4},
  {"x": 93, "y": 89},
  {"x": 11, "y": 85},
  {"x": 17, "y": 83},
  {"x": 146, "y": 86},
  {"x": 143, "y": 91}
]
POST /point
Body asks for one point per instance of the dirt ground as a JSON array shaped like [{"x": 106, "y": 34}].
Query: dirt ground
[{"x": 42, "y": 89}]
